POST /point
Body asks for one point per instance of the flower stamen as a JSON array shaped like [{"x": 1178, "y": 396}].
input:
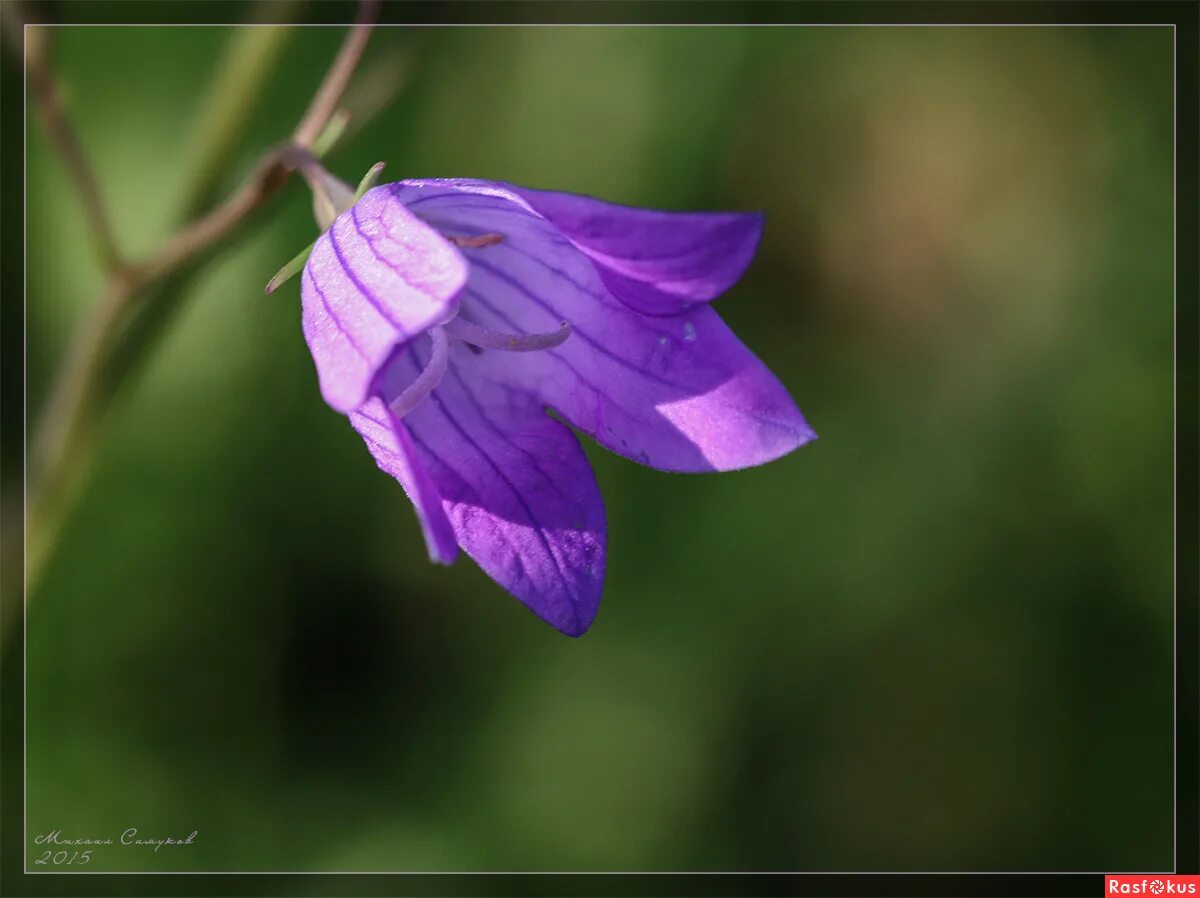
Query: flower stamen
[
  {"x": 474, "y": 335},
  {"x": 474, "y": 242},
  {"x": 428, "y": 379}
]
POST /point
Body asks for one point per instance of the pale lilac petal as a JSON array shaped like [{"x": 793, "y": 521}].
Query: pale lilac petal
[
  {"x": 657, "y": 262},
  {"x": 390, "y": 444},
  {"x": 676, "y": 392},
  {"x": 375, "y": 280},
  {"x": 516, "y": 486}
]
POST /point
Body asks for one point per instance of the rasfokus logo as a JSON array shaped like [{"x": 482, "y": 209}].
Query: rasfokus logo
[{"x": 1165, "y": 884}]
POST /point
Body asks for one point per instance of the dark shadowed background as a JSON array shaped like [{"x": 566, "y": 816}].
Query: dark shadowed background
[{"x": 937, "y": 638}]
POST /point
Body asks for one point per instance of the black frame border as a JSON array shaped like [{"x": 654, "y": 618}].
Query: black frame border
[{"x": 1182, "y": 14}]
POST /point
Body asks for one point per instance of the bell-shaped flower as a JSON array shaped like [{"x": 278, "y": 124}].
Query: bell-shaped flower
[{"x": 462, "y": 325}]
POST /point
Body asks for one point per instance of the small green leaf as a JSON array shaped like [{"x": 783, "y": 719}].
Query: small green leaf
[
  {"x": 326, "y": 203},
  {"x": 369, "y": 179},
  {"x": 290, "y": 270}
]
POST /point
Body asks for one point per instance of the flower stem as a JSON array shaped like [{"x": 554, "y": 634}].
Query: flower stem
[
  {"x": 57, "y": 125},
  {"x": 137, "y": 298},
  {"x": 239, "y": 78}
]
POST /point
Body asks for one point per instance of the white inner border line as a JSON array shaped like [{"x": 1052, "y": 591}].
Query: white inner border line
[
  {"x": 1174, "y": 450},
  {"x": 1175, "y": 590}
]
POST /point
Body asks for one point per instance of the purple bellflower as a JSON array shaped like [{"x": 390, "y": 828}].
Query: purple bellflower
[{"x": 448, "y": 318}]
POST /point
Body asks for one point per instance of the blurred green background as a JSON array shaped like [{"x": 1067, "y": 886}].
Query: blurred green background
[{"x": 939, "y": 638}]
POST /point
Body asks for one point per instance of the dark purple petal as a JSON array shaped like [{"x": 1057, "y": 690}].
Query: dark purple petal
[
  {"x": 657, "y": 262},
  {"x": 676, "y": 392},
  {"x": 375, "y": 280},
  {"x": 390, "y": 444},
  {"x": 516, "y": 486}
]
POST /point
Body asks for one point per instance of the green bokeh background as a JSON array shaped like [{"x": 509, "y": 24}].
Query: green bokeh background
[{"x": 939, "y": 638}]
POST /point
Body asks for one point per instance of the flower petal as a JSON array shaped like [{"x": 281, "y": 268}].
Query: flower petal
[
  {"x": 516, "y": 486},
  {"x": 658, "y": 263},
  {"x": 390, "y": 444},
  {"x": 676, "y": 392},
  {"x": 375, "y": 280}
]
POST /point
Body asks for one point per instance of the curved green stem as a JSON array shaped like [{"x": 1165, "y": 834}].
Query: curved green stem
[{"x": 138, "y": 297}]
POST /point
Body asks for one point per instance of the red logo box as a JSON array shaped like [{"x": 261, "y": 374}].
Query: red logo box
[{"x": 1151, "y": 884}]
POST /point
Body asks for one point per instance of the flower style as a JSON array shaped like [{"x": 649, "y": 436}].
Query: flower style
[{"x": 460, "y": 323}]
